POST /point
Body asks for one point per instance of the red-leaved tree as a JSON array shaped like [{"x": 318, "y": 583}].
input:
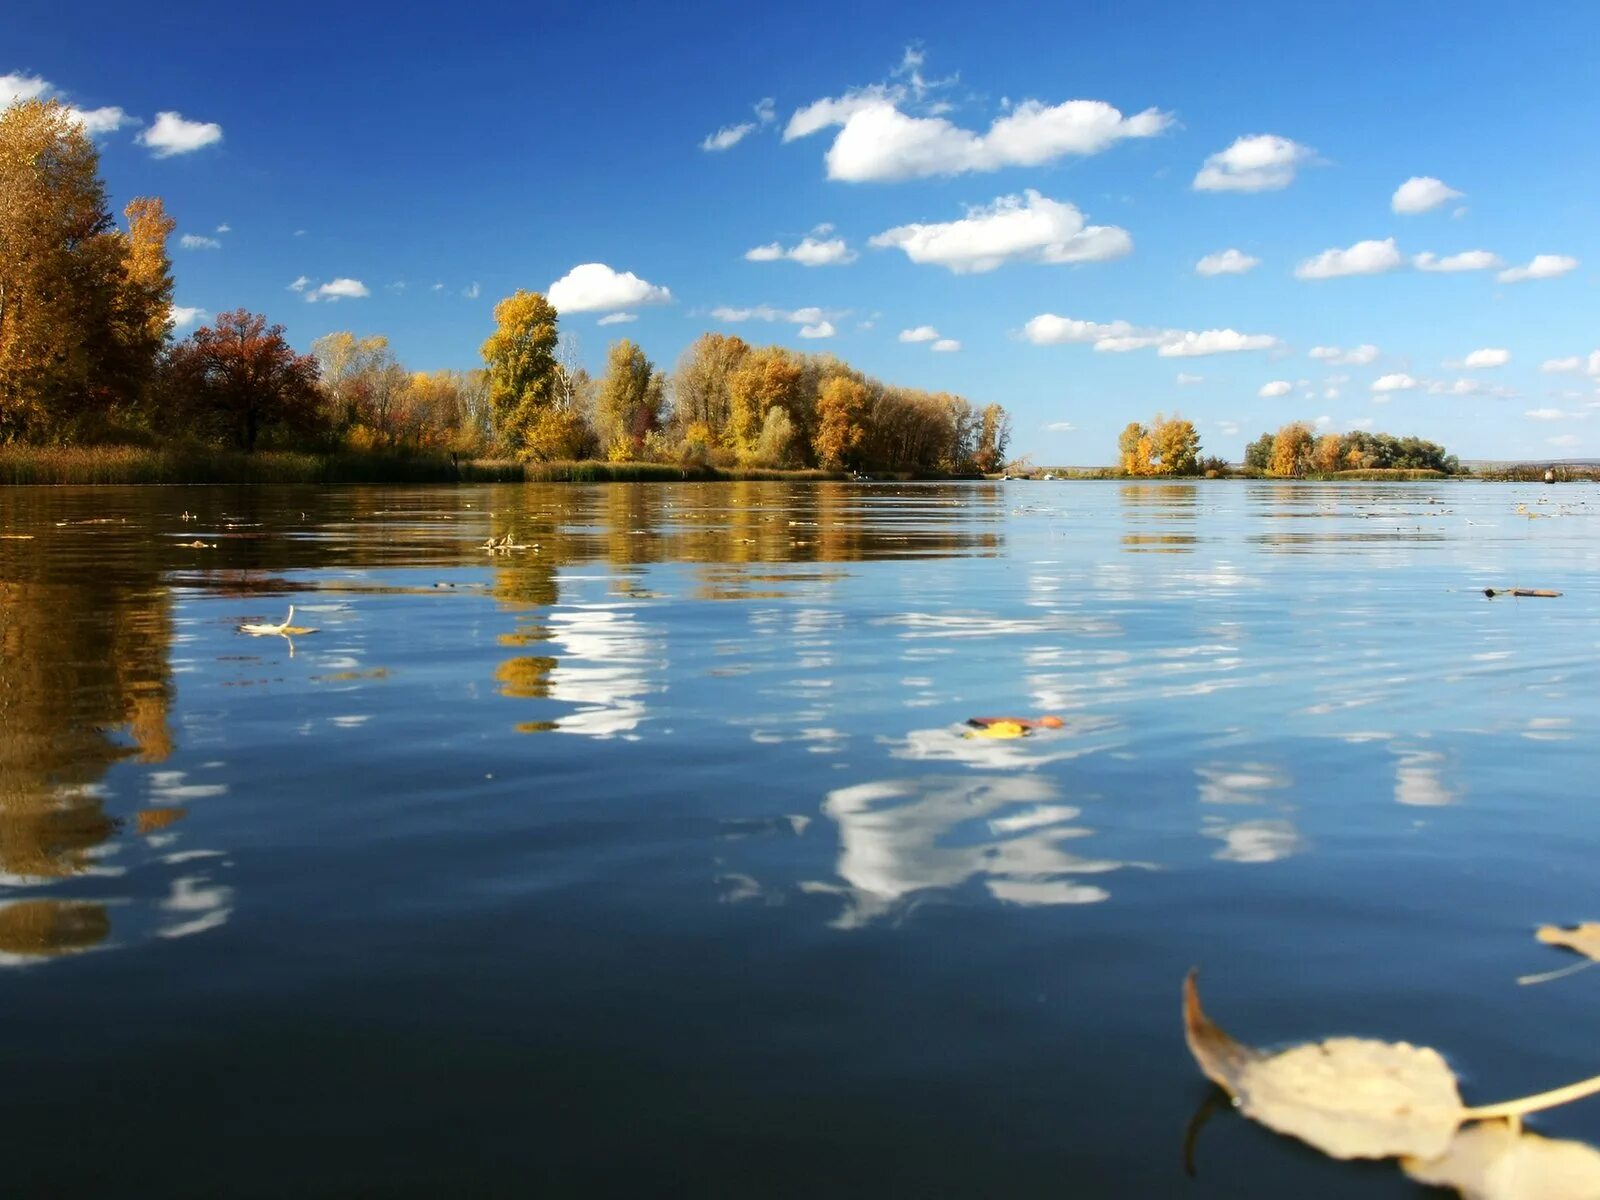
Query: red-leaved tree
[{"x": 239, "y": 376}]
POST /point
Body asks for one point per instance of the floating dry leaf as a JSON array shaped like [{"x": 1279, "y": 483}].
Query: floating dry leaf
[
  {"x": 1497, "y": 1161},
  {"x": 999, "y": 729},
  {"x": 1348, "y": 1097},
  {"x": 1352, "y": 1097},
  {"x": 1583, "y": 939}
]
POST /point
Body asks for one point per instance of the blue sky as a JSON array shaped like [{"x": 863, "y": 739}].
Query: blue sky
[{"x": 470, "y": 150}]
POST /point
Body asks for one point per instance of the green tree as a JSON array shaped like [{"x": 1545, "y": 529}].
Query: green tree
[
  {"x": 523, "y": 372},
  {"x": 1258, "y": 454}
]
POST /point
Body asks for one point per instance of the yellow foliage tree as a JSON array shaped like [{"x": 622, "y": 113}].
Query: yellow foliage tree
[
  {"x": 1328, "y": 453},
  {"x": 1291, "y": 450},
  {"x": 765, "y": 379},
  {"x": 841, "y": 415},
  {"x": 1137, "y": 449},
  {"x": 523, "y": 372}
]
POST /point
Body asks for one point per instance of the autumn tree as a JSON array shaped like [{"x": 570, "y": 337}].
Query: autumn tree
[
  {"x": 765, "y": 379},
  {"x": 629, "y": 402},
  {"x": 701, "y": 383},
  {"x": 1327, "y": 454},
  {"x": 1291, "y": 450},
  {"x": 81, "y": 304},
  {"x": 1136, "y": 449},
  {"x": 239, "y": 377},
  {"x": 523, "y": 372},
  {"x": 994, "y": 435},
  {"x": 841, "y": 416},
  {"x": 1176, "y": 446}
]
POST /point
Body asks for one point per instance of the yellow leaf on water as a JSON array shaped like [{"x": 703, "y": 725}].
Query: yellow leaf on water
[
  {"x": 1585, "y": 938},
  {"x": 1348, "y": 1097},
  {"x": 1000, "y": 729},
  {"x": 1494, "y": 1161}
]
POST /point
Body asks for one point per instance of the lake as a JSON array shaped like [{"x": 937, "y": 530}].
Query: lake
[{"x": 651, "y": 857}]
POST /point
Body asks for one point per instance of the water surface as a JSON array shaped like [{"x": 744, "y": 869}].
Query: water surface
[{"x": 651, "y": 859}]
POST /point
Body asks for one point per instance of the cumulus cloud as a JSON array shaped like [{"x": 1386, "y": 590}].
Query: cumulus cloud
[
  {"x": 196, "y": 241},
  {"x": 727, "y": 137},
  {"x": 927, "y": 333},
  {"x": 184, "y": 316},
  {"x": 595, "y": 287},
  {"x": 1543, "y": 266},
  {"x": 1117, "y": 337},
  {"x": 224, "y": 228},
  {"x": 1213, "y": 341},
  {"x": 302, "y": 283},
  {"x": 1364, "y": 258},
  {"x": 1545, "y": 414},
  {"x": 945, "y": 346},
  {"x": 17, "y": 86},
  {"x": 1457, "y": 387},
  {"x": 822, "y": 329},
  {"x": 338, "y": 289},
  {"x": 1489, "y": 356},
  {"x": 1254, "y": 163},
  {"x": 1226, "y": 262},
  {"x": 1398, "y": 382},
  {"x": 617, "y": 318},
  {"x": 1026, "y": 228},
  {"x": 1356, "y": 356},
  {"x": 173, "y": 134},
  {"x": 1552, "y": 365},
  {"x": 808, "y": 252},
  {"x": 878, "y": 142},
  {"x": 814, "y": 322},
  {"x": 1420, "y": 194},
  {"x": 1467, "y": 260},
  {"x": 1278, "y": 387}
]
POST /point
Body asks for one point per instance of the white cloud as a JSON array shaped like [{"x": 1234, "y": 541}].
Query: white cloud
[
  {"x": 808, "y": 252},
  {"x": 766, "y": 110},
  {"x": 1398, "y": 382},
  {"x": 1278, "y": 387},
  {"x": 1117, "y": 337},
  {"x": 1226, "y": 262},
  {"x": 1356, "y": 356},
  {"x": 224, "y": 228},
  {"x": 945, "y": 346},
  {"x": 1364, "y": 258},
  {"x": 1030, "y": 228},
  {"x": 822, "y": 329},
  {"x": 339, "y": 289},
  {"x": 100, "y": 120},
  {"x": 727, "y": 137},
  {"x": 1487, "y": 357},
  {"x": 1552, "y": 365},
  {"x": 195, "y": 241},
  {"x": 1255, "y": 163},
  {"x": 922, "y": 333},
  {"x": 878, "y": 142},
  {"x": 174, "y": 134},
  {"x": 472, "y": 291},
  {"x": 1061, "y": 427},
  {"x": 814, "y": 322},
  {"x": 1214, "y": 341},
  {"x": 1543, "y": 266},
  {"x": 595, "y": 287},
  {"x": 182, "y": 315},
  {"x": 17, "y": 86},
  {"x": 1362, "y": 423},
  {"x": 301, "y": 284},
  {"x": 617, "y": 318},
  {"x": 1186, "y": 380},
  {"x": 1545, "y": 414},
  {"x": 1331, "y": 393},
  {"x": 1563, "y": 440},
  {"x": 1467, "y": 260},
  {"x": 1458, "y": 387},
  {"x": 1420, "y": 194}
]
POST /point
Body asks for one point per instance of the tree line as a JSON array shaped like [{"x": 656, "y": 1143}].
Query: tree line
[
  {"x": 87, "y": 355},
  {"x": 1296, "y": 450}
]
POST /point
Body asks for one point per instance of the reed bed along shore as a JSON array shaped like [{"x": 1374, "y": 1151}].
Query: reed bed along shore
[{"x": 142, "y": 465}]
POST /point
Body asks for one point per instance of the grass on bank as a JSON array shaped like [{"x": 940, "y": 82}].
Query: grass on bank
[{"x": 137, "y": 464}]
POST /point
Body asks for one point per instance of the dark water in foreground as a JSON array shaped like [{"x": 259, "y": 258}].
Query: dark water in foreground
[{"x": 652, "y": 861}]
